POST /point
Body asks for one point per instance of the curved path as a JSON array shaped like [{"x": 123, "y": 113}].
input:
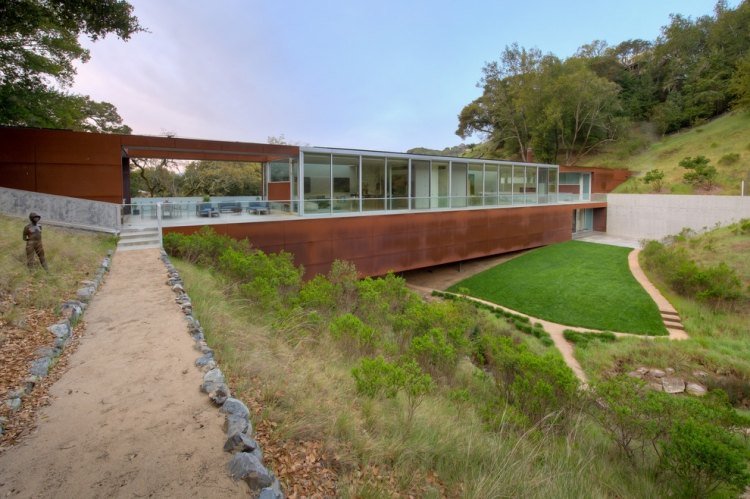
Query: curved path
[
  {"x": 555, "y": 330},
  {"x": 127, "y": 418}
]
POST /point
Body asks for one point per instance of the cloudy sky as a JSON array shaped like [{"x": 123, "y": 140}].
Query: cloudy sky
[{"x": 385, "y": 75}]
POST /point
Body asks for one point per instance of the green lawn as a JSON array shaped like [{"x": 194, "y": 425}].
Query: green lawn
[{"x": 572, "y": 283}]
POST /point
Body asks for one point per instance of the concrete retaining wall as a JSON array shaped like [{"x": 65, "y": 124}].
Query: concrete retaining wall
[
  {"x": 61, "y": 210},
  {"x": 655, "y": 216}
]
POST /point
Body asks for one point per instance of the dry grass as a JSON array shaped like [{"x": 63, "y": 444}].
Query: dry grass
[{"x": 29, "y": 302}]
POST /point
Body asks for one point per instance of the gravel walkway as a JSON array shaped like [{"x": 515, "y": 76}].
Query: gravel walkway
[{"x": 127, "y": 418}]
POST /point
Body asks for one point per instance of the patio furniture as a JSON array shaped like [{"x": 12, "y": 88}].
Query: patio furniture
[
  {"x": 258, "y": 208},
  {"x": 230, "y": 207},
  {"x": 206, "y": 210}
]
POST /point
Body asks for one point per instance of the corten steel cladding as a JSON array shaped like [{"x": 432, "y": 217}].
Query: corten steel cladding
[
  {"x": 377, "y": 244},
  {"x": 603, "y": 180},
  {"x": 89, "y": 165}
]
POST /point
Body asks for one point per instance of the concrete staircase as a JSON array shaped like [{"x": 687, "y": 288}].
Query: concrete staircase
[
  {"x": 136, "y": 239},
  {"x": 671, "y": 320}
]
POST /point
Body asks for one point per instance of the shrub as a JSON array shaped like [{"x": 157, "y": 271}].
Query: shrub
[
  {"x": 203, "y": 248},
  {"x": 353, "y": 333},
  {"x": 583, "y": 340},
  {"x": 434, "y": 352},
  {"x": 318, "y": 293},
  {"x": 701, "y": 173},
  {"x": 377, "y": 376},
  {"x": 716, "y": 284},
  {"x": 269, "y": 279},
  {"x": 537, "y": 386},
  {"x": 655, "y": 178},
  {"x": 344, "y": 277},
  {"x": 729, "y": 158},
  {"x": 690, "y": 438},
  {"x": 381, "y": 298},
  {"x": 704, "y": 457}
]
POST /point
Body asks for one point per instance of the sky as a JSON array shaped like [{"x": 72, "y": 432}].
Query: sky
[{"x": 382, "y": 75}]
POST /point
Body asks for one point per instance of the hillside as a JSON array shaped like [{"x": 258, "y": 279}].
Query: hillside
[{"x": 725, "y": 141}]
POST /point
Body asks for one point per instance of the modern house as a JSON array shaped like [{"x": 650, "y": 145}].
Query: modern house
[{"x": 381, "y": 210}]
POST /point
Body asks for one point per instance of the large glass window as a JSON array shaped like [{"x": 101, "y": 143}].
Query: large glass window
[
  {"x": 398, "y": 177},
  {"x": 543, "y": 185},
  {"x": 458, "y": 185},
  {"x": 420, "y": 184},
  {"x": 586, "y": 186},
  {"x": 317, "y": 182},
  {"x": 373, "y": 184},
  {"x": 345, "y": 183},
  {"x": 475, "y": 182},
  {"x": 506, "y": 184},
  {"x": 553, "y": 185},
  {"x": 439, "y": 185},
  {"x": 530, "y": 187},
  {"x": 490, "y": 185},
  {"x": 519, "y": 184},
  {"x": 279, "y": 171}
]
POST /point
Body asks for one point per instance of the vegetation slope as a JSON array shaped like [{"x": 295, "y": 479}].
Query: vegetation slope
[
  {"x": 725, "y": 141},
  {"x": 367, "y": 390}
]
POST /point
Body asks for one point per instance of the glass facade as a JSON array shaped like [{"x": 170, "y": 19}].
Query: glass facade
[{"x": 346, "y": 181}]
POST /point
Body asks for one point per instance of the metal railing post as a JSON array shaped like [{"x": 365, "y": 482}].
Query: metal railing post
[{"x": 158, "y": 223}]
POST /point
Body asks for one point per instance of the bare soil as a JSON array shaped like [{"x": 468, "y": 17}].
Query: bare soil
[{"x": 127, "y": 418}]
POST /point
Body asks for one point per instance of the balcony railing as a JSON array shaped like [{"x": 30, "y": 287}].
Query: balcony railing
[{"x": 238, "y": 209}]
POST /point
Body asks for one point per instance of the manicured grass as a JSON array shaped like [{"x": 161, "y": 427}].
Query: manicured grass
[{"x": 572, "y": 283}]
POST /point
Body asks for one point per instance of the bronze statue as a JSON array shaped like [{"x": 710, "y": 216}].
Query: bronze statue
[{"x": 32, "y": 234}]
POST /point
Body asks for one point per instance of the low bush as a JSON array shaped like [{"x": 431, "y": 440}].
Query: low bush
[
  {"x": 716, "y": 284},
  {"x": 694, "y": 440},
  {"x": 354, "y": 334},
  {"x": 729, "y": 158},
  {"x": 377, "y": 376},
  {"x": 434, "y": 352},
  {"x": 540, "y": 387},
  {"x": 583, "y": 340},
  {"x": 202, "y": 248}
]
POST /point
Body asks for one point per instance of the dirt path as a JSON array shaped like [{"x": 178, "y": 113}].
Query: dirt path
[{"x": 127, "y": 418}]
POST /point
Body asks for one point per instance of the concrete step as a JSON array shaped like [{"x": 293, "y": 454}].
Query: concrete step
[
  {"x": 134, "y": 247},
  {"x": 674, "y": 325},
  {"x": 139, "y": 240},
  {"x": 135, "y": 239},
  {"x": 668, "y": 312},
  {"x": 138, "y": 232}
]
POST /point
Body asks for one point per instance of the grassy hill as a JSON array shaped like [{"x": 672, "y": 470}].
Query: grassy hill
[{"x": 725, "y": 141}]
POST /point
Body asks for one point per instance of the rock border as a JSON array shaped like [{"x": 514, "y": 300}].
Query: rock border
[
  {"x": 247, "y": 457},
  {"x": 62, "y": 330}
]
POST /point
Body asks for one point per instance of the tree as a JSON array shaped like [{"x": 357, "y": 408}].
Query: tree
[
  {"x": 701, "y": 172},
  {"x": 221, "y": 178},
  {"x": 504, "y": 112},
  {"x": 655, "y": 178},
  {"x": 158, "y": 177},
  {"x": 557, "y": 107},
  {"x": 39, "y": 43}
]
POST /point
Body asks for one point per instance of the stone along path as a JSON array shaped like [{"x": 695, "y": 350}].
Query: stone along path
[{"x": 127, "y": 418}]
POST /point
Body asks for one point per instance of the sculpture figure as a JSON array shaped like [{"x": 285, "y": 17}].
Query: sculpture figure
[{"x": 32, "y": 234}]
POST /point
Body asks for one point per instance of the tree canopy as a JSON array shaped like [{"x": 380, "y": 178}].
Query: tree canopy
[
  {"x": 563, "y": 109},
  {"x": 39, "y": 43}
]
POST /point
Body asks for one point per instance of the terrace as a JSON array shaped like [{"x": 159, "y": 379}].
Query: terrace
[{"x": 336, "y": 182}]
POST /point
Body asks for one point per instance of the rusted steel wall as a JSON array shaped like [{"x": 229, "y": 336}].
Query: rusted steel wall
[
  {"x": 603, "y": 180},
  {"x": 65, "y": 163},
  {"x": 600, "y": 219},
  {"x": 89, "y": 165},
  {"x": 377, "y": 244},
  {"x": 279, "y": 191}
]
